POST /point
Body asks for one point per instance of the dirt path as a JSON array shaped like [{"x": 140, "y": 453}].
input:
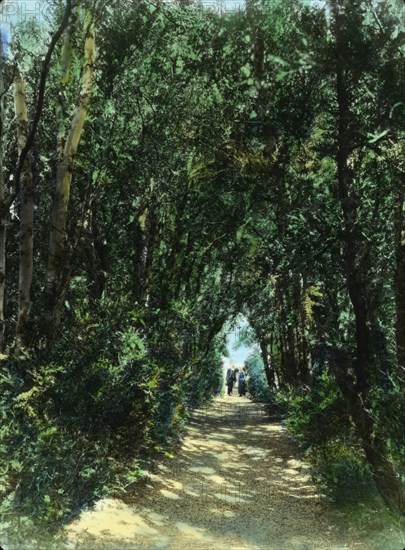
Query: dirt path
[{"x": 235, "y": 484}]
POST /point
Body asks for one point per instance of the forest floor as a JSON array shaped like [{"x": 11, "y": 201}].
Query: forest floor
[{"x": 238, "y": 482}]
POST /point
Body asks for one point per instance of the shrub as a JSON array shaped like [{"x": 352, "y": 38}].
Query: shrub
[
  {"x": 339, "y": 467},
  {"x": 318, "y": 414}
]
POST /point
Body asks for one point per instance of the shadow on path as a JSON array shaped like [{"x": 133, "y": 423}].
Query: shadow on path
[{"x": 236, "y": 484}]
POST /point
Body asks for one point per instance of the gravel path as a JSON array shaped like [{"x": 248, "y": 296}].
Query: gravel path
[{"x": 235, "y": 484}]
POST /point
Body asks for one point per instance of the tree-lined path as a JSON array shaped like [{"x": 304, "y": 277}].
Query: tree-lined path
[
  {"x": 237, "y": 483},
  {"x": 167, "y": 171}
]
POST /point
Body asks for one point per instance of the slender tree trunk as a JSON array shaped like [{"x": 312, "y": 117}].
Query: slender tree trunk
[
  {"x": 357, "y": 393},
  {"x": 385, "y": 477},
  {"x": 349, "y": 210},
  {"x": 256, "y": 21},
  {"x": 268, "y": 367},
  {"x": 26, "y": 217},
  {"x": 149, "y": 239},
  {"x": 275, "y": 367},
  {"x": 283, "y": 355},
  {"x": 291, "y": 360},
  {"x": 59, "y": 256},
  {"x": 3, "y": 220},
  {"x": 174, "y": 261},
  {"x": 303, "y": 361},
  {"x": 100, "y": 254},
  {"x": 304, "y": 371},
  {"x": 399, "y": 280},
  {"x": 138, "y": 237}
]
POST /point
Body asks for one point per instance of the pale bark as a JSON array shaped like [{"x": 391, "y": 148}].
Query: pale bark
[
  {"x": 58, "y": 258},
  {"x": 7, "y": 201},
  {"x": 26, "y": 234},
  {"x": 5, "y": 204}
]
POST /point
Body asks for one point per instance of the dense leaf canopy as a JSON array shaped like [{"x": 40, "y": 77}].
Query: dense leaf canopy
[{"x": 189, "y": 166}]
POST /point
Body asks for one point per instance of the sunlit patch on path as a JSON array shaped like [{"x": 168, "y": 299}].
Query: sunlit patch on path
[{"x": 237, "y": 483}]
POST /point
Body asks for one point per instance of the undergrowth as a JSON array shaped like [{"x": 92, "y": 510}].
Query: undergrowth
[{"x": 86, "y": 422}]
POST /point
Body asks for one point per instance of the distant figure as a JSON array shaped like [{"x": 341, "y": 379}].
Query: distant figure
[
  {"x": 242, "y": 383},
  {"x": 230, "y": 379}
]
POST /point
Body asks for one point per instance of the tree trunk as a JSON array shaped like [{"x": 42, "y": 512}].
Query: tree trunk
[
  {"x": 290, "y": 360},
  {"x": 58, "y": 250},
  {"x": 26, "y": 235},
  {"x": 300, "y": 332},
  {"x": 384, "y": 474},
  {"x": 268, "y": 367},
  {"x": 304, "y": 370},
  {"x": 349, "y": 210},
  {"x": 148, "y": 241},
  {"x": 100, "y": 255},
  {"x": 357, "y": 392},
  {"x": 3, "y": 220},
  {"x": 399, "y": 281}
]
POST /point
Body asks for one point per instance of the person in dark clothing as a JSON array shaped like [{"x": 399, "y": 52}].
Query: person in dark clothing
[
  {"x": 242, "y": 383},
  {"x": 230, "y": 379}
]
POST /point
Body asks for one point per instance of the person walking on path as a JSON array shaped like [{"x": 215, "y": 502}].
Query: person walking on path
[
  {"x": 230, "y": 379},
  {"x": 242, "y": 383}
]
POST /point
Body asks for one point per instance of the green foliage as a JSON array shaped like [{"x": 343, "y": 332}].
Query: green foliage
[
  {"x": 319, "y": 414},
  {"x": 205, "y": 186},
  {"x": 319, "y": 420},
  {"x": 97, "y": 412},
  {"x": 390, "y": 413},
  {"x": 256, "y": 381},
  {"x": 340, "y": 469}
]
